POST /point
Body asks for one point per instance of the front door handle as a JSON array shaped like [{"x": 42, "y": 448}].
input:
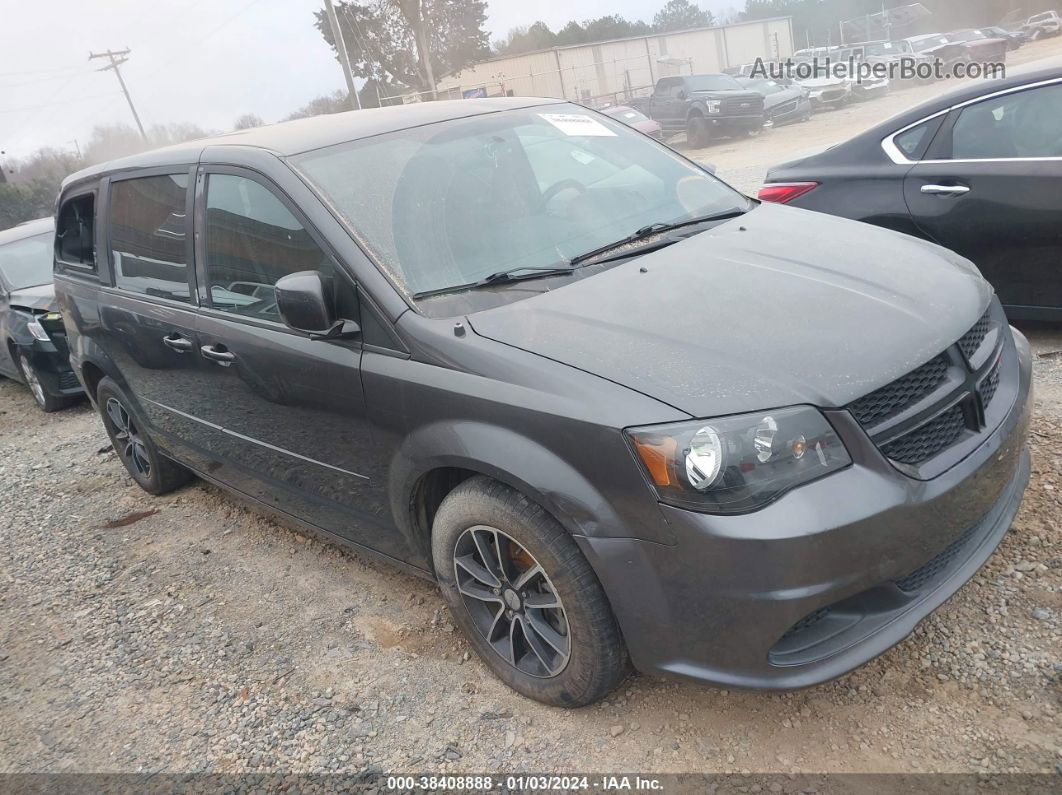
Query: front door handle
[
  {"x": 178, "y": 343},
  {"x": 945, "y": 190},
  {"x": 217, "y": 353}
]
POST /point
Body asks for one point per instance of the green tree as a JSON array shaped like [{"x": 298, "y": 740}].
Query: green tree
[
  {"x": 404, "y": 43},
  {"x": 613, "y": 27},
  {"x": 527, "y": 39},
  {"x": 681, "y": 15},
  {"x": 572, "y": 33},
  {"x": 247, "y": 121},
  {"x": 322, "y": 106}
]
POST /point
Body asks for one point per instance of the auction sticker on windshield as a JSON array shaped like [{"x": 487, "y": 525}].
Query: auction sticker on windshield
[{"x": 576, "y": 124}]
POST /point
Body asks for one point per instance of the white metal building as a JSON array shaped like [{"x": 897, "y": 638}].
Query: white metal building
[{"x": 610, "y": 71}]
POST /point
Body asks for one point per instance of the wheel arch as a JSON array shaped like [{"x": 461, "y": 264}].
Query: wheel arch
[
  {"x": 93, "y": 364},
  {"x": 434, "y": 460}
]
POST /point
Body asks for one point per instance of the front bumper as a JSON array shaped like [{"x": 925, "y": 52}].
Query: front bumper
[
  {"x": 826, "y": 578},
  {"x": 51, "y": 360},
  {"x": 802, "y": 109},
  {"x": 750, "y": 122},
  {"x": 830, "y": 97},
  {"x": 870, "y": 90}
]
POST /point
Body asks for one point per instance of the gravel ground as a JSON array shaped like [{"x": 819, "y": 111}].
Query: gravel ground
[{"x": 188, "y": 633}]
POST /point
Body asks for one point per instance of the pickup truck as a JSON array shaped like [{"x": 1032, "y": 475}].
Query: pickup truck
[{"x": 702, "y": 105}]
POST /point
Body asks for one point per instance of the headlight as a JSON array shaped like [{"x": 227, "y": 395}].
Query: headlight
[
  {"x": 740, "y": 463},
  {"x": 713, "y": 105},
  {"x": 37, "y": 330}
]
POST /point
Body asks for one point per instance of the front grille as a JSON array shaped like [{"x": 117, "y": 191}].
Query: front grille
[
  {"x": 971, "y": 341},
  {"x": 989, "y": 386},
  {"x": 68, "y": 380},
  {"x": 901, "y": 393},
  {"x": 927, "y": 440},
  {"x": 748, "y": 106},
  {"x": 932, "y": 429},
  {"x": 807, "y": 621},
  {"x": 785, "y": 107},
  {"x": 928, "y": 572}
]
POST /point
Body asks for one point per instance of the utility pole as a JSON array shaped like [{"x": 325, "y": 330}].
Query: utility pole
[
  {"x": 116, "y": 60},
  {"x": 344, "y": 58}
]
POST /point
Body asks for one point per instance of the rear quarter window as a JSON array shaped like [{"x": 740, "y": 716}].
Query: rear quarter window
[{"x": 75, "y": 232}]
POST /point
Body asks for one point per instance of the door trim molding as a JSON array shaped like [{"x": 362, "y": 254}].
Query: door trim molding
[{"x": 252, "y": 440}]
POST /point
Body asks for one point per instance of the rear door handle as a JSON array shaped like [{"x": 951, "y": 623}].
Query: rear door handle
[
  {"x": 218, "y": 354},
  {"x": 178, "y": 343},
  {"x": 945, "y": 190}
]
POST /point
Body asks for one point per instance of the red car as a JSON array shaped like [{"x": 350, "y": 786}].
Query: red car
[{"x": 636, "y": 119}]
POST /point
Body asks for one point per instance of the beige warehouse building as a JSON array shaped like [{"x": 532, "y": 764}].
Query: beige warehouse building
[{"x": 611, "y": 71}]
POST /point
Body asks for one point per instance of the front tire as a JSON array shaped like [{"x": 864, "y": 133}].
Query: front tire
[
  {"x": 697, "y": 132},
  {"x": 45, "y": 402},
  {"x": 525, "y": 597},
  {"x": 152, "y": 471}
]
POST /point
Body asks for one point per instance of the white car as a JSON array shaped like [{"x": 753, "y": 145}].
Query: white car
[
  {"x": 828, "y": 92},
  {"x": 1040, "y": 26}
]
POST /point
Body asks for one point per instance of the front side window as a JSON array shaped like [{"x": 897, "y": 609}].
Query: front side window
[
  {"x": 448, "y": 204},
  {"x": 27, "y": 262},
  {"x": 1018, "y": 125},
  {"x": 252, "y": 240},
  {"x": 149, "y": 244}
]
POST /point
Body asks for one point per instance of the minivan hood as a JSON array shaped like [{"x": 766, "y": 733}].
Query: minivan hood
[
  {"x": 41, "y": 296},
  {"x": 778, "y": 307}
]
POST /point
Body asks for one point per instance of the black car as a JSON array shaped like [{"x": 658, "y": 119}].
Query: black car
[
  {"x": 1015, "y": 38},
  {"x": 616, "y": 409},
  {"x": 703, "y": 107},
  {"x": 977, "y": 170},
  {"x": 32, "y": 337}
]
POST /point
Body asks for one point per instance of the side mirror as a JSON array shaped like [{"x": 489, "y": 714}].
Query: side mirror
[
  {"x": 304, "y": 301},
  {"x": 683, "y": 94}
]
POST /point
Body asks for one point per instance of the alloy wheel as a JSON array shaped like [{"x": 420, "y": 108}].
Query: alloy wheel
[
  {"x": 512, "y": 602},
  {"x": 127, "y": 440},
  {"x": 32, "y": 381}
]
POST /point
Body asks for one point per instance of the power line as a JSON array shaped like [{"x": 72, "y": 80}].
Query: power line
[
  {"x": 116, "y": 60},
  {"x": 53, "y": 104}
]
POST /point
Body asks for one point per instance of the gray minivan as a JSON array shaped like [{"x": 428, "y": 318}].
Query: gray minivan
[{"x": 619, "y": 411}]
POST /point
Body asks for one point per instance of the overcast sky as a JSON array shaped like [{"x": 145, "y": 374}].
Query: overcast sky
[{"x": 200, "y": 61}]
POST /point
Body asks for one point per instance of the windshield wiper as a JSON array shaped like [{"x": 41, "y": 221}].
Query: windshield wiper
[
  {"x": 502, "y": 277},
  {"x": 651, "y": 230}
]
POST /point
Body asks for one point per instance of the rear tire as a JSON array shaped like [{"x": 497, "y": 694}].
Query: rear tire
[
  {"x": 550, "y": 635},
  {"x": 151, "y": 470}
]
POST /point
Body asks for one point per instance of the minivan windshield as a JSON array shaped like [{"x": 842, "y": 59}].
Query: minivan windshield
[
  {"x": 448, "y": 204},
  {"x": 27, "y": 262}
]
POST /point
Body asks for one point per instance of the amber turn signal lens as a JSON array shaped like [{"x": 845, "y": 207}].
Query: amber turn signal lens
[{"x": 657, "y": 455}]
